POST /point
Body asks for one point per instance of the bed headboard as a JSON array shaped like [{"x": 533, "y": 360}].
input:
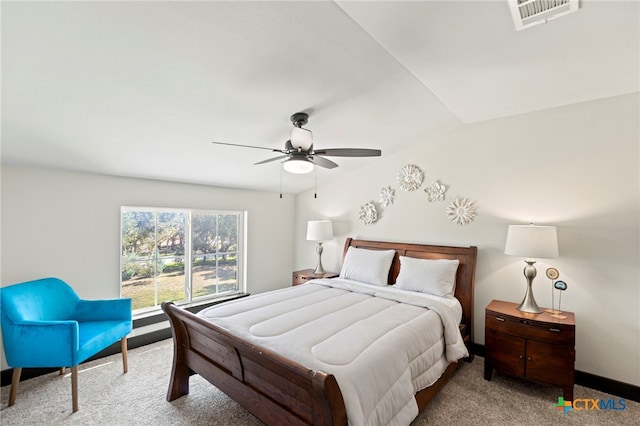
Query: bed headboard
[{"x": 465, "y": 277}]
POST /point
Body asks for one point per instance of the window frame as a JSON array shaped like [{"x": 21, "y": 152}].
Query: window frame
[{"x": 188, "y": 256}]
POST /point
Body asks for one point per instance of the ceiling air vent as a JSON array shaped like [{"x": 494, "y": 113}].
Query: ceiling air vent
[{"x": 527, "y": 13}]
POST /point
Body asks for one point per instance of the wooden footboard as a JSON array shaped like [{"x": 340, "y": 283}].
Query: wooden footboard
[{"x": 276, "y": 390}]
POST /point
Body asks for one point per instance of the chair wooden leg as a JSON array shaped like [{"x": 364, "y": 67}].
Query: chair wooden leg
[
  {"x": 62, "y": 370},
  {"x": 14, "y": 385},
  {"x": 123, "y": 348},
  {"x": 74, "y": 387}
]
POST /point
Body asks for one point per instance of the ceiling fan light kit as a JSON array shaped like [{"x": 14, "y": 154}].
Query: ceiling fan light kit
[
  {"x": 299, "y": 156},
  {"x": 297, "y": 166}
]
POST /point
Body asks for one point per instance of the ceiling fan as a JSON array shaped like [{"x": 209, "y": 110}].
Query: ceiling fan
[{"x": 299, "y": 155}]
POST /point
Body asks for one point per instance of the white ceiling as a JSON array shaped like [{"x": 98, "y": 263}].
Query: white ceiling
[{"x": 142, "y": 88}]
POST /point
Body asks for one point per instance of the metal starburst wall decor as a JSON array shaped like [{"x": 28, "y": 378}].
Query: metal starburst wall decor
[
  {"x": 410, "y": 177},
  {"x": 461, "y": 211}
]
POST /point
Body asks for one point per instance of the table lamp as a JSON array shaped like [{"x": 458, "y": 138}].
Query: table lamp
[
  {"x": 319, "y": 230},
  {"x": 531, "y": 241}
]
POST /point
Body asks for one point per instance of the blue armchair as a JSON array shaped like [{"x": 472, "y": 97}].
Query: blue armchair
[{"x": 46, "y": 324}]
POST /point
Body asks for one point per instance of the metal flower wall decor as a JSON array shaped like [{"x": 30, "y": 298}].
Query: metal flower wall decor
[
  {"x": 461, "y": 211},
  {"x": 368, "y": 213},
  {"x": 410, "y": 177},
  {"x": 435, "y": 191},
  {"x": 386, "y": 196}
]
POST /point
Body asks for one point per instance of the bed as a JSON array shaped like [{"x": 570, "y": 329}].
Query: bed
[{"x": 278, "y": 382}]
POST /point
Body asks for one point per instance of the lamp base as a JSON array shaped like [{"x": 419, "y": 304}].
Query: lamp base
[
  {"x": 529, "y": 302},
  {"x": 319, "y": 269},
  {"x": 530, "y": 306}
]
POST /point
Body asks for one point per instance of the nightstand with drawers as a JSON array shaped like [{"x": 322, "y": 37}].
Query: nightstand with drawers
[
  {"x": 537, "y": 347},
  {"x": 304, "y": 275}
]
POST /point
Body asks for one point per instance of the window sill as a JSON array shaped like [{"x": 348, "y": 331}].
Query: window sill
[{"x": 156, "y": 316}]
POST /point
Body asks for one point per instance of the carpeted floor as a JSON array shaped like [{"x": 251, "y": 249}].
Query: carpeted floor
[{"x": 108, "y": 397}]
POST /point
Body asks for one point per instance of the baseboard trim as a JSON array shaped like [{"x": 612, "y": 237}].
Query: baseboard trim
[
  {"x": 592, "y": 381},
  {"x": 603, "y": 384}
]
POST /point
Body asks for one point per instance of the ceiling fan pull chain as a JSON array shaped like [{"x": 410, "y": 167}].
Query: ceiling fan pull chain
[
  {"x": 280, "y": 182},
  {"x": 315, "y": 183}
]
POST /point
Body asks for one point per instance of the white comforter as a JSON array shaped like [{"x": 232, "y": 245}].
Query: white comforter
[{"x": 382, "y": 344}]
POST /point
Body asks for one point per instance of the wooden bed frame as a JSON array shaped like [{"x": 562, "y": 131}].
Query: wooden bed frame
[{"x": 278, "y": 390}]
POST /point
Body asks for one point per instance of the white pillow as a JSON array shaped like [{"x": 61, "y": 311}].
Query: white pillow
[
  {"x": 433, "y": 276},
  {"x": 367, "y": 266}
]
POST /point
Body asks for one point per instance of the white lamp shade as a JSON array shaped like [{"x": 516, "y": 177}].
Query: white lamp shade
[
  {"x": 301, "y": 138},
  {"x": 298, "y": 166},
  {"x": 532, "y": 241},
  {"x": 319, "y": 230}
]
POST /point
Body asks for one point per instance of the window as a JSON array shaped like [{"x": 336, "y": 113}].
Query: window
[{"x": 179, "y": 255}]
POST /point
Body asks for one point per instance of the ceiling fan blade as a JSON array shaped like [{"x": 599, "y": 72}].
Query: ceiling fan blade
[
  {"x": 249, "y": 146},
  {"x": 322, "y": 162},
  {"x": 279, "y": 157},
  {"x": 349, "y": 152}
]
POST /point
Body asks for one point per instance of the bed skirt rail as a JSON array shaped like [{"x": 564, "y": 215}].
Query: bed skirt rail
[{"x": 275, "y": 389}]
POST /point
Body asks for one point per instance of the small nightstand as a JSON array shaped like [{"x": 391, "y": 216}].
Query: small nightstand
[
  {"x": 538, "y": 347},
  {"x": 301, "y": 277}
]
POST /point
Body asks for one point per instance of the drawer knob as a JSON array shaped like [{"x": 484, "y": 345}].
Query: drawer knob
[
  {"x": 555, "y": 330},
  {"x": 520, "y": 356},
  {"x": 528, "y": 358}
]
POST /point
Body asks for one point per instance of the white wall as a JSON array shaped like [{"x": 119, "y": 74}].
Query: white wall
[
  {"x": 64, "y": 224},
  {"x": 576, "y": 167}
]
